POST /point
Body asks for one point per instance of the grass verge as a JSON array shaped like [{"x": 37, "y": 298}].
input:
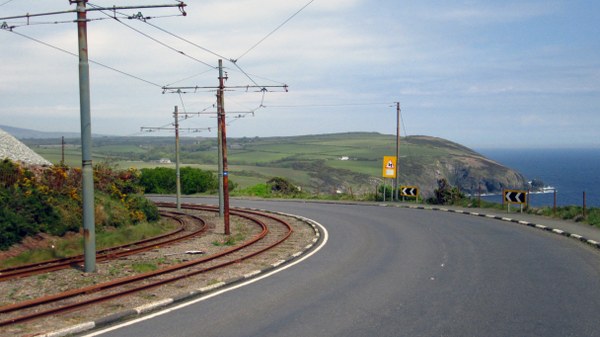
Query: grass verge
[{"x": 72, "y": 246}]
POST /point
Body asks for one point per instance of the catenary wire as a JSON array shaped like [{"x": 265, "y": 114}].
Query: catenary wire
[
  {"x": 187, "y": 41},
  {"x": 273, "y": 31},
  {"x": 144, "y": 20},
  {"x": 325, "y": 105},
  {"x": 206, "y": 49},
  {"x": 91, "y": 61},
  {"x": 189, "y": 77},
  {"x": 4, "y": 3},
  {"x": 155, "y": 39}
]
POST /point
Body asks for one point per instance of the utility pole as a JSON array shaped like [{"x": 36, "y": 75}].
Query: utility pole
[
  {"x": 223, "y": 173},
  {"x": 89, "y": 231},
  {"x": 177, "y": 150},
  {"x": 397, "y": 148},
  {"x": 62, "y": 151},
  {"x": 177, "y": 172}
]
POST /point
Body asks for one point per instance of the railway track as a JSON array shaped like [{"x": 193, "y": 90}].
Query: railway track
[
  {"x": 271, "y": 232},
  {"x": 189, "y": 227}
]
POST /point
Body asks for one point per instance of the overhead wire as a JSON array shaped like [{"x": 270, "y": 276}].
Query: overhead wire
[
  {"x": 272, "y": 32},
  {"x": 4, "y": 3},
  {"x": 181, "y": 100},
  {"x": 403, "y": 124},
  {"x": 89, "y": 60},
  {"x": 234, "y": 61},
  {"x": 152, "y": 38},
  {"x": 187, "y": 41},
  {"x": 189, "y": 77},
  {"x": 325, "y": 105}
]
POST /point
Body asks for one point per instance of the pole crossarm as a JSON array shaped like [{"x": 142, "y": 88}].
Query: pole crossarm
[
  {"x": 263, "y": 88},
  {"x": 87, "y": 174},
  {"x": 179, "y": 5},
  {"x": 154, "y": 129}
]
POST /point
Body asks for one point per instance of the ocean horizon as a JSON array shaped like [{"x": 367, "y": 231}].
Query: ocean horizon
[{"x": 570, "y": 171}]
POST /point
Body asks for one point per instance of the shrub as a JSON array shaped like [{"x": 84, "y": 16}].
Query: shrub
[
  {"x": 445, "y": 194},
  {"x": 49, "y": 200},
  {"x": 162, "y": 180},
  {"x": 282, "y": 186}
]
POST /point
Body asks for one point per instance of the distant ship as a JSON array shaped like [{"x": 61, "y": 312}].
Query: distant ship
[{"x": 545, "y": 189}]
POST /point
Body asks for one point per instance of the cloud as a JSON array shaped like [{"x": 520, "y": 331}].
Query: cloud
[{"x": 478, "y": 13}]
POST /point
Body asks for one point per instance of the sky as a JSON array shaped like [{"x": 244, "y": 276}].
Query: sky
[{"x": 486, "y": 74}]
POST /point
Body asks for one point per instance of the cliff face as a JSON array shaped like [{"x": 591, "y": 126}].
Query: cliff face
[{"x": 459, "y": 165}]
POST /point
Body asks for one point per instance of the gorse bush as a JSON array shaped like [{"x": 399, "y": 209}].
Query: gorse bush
[{"x": 48, "y": 200}]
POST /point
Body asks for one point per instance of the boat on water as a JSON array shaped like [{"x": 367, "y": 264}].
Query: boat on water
[{"x": 545, "y": 189}]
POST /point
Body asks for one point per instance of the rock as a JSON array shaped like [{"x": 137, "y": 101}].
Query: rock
[{"x": 13, "y": 149}]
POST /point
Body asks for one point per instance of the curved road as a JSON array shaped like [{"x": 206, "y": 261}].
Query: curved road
[{"x": 389, "y": 271}]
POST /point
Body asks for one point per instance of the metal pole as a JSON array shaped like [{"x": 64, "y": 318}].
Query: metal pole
[
  {"x": 220, "y": 152},
  {"x": 397, "y": 147},
  {"x": 177, "y": 172},
  {"x": 479, "y": 196},
  {"x": 584, "y": 205},
  {"x": 554, "y": 207},
  {"x": 89, "y": 231},
  {"x": 223, "y": 141},
  {"x": 62, "y": 152}
]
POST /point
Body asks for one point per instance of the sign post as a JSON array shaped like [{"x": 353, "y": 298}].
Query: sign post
[
  {"x": 388, "y": 171},
  {"x": 410, "y": 191},
  {"x": 514, "y": 197}
]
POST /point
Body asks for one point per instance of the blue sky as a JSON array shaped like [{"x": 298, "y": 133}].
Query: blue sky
[{"x": 481, "y": 73}]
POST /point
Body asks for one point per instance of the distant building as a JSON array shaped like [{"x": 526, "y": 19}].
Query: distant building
[
  {"x": 164, "y": 161},
  {"x": 344, "y": 158}
]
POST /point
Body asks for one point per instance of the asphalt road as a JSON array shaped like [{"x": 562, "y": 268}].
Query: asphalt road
[{"x": 402, "y": 272}]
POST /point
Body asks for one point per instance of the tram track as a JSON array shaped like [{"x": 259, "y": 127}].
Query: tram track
[
  {"x": 272, "y": 232},
  {"x": 189, "y": 226}
]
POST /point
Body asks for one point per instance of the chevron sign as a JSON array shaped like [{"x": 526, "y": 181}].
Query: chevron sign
[
  {"x": 515, "y": 196},
  {"x": 409, "y": 191}
]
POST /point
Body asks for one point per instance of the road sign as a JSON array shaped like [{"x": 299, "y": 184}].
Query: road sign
[
  {"x": 409, "y": 191},
  {"x": 515, "y": 196},
  {"x": 389, "y": 167}
]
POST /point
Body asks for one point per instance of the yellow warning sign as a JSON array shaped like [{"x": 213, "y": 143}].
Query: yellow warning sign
[{"x": 389, "y": 167}]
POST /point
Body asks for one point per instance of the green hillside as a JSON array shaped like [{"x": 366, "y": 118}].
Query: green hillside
[{"x": 320, "y": 164}]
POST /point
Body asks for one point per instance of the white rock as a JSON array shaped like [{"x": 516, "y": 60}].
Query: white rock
[{"x": 15, "y": 150}]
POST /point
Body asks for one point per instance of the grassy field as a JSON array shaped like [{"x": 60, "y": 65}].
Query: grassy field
[{"x": 312, "y": 162}]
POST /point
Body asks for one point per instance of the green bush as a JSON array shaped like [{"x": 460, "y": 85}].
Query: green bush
[
  {"x": 197, "y": 181},
  {"x": 162, "y": 180}
]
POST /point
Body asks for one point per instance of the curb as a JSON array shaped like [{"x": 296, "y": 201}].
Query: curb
[
  {"x": 557, "y": 231},
  {"x": 154, "y": 306}
]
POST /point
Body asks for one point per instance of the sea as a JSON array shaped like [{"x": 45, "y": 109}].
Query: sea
[{"x": 570, "y": 171}]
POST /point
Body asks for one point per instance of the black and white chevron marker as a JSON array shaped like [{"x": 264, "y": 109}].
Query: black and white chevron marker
[
  {"x": 517, "y": 197},
  {"x": 409, "y": 191}
]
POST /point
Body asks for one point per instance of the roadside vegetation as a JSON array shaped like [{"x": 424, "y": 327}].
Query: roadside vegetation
[
  {"x": 72, "y": 245},
  {"x": 162, "y": 180},
  {"x": 48, "y": 200}
]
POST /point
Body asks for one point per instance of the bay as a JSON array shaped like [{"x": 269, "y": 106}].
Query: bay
[{"x": 570, "y": 171}]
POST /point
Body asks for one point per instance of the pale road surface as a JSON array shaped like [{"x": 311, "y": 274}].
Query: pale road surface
[{"x": 389, "y": 271}]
